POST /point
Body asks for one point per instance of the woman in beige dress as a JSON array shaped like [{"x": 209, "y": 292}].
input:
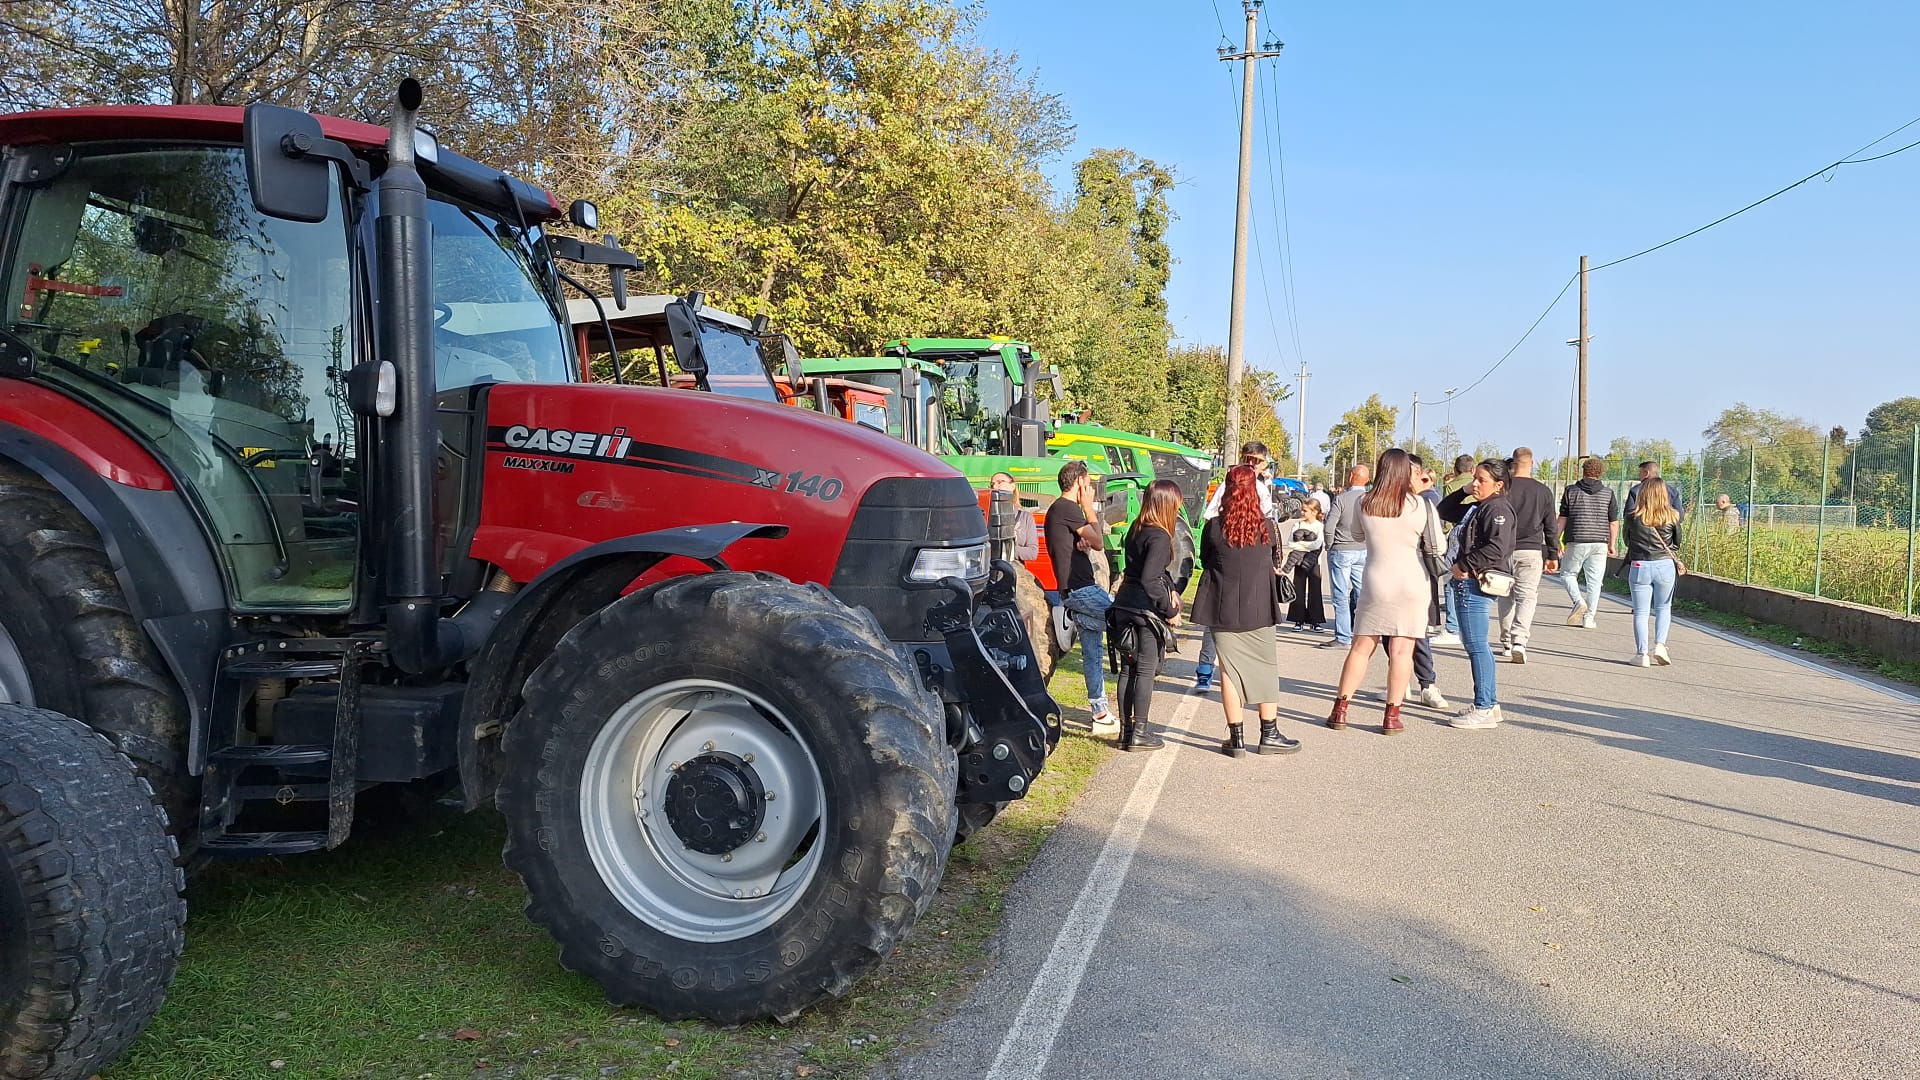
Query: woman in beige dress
[{"x": 1394, "y": 601}]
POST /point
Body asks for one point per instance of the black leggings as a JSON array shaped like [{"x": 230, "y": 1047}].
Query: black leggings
[{"x": 1137, "y": 672}]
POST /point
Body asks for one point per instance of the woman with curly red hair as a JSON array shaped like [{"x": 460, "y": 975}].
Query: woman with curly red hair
[{"x": 1240, "y": 555}]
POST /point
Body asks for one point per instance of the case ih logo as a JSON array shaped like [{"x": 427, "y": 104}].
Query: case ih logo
[{"x": 561, "y": 441}]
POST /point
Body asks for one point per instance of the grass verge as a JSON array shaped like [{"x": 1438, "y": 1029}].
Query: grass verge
[
  {"x": 1899, "y": 669},
  {"x": 408, "y": 956}
]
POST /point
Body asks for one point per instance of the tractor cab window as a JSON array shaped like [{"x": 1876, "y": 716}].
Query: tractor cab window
[
  {"x": 492, "y": 322},
  {"x": 896, "y": 407},
  {"x": 735, "y": 365},
  {"x": 154, "y": 291},
  {"x": 978, "y": 396}
]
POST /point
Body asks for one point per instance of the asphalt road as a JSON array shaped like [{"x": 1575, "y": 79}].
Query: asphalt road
[{"x": 1704, "y": 871}]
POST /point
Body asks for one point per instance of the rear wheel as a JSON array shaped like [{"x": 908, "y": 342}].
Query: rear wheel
[
  {"x": 1037, "y": 614},
  {"x": 90, "y": 909},
  {"x": 728, "y": 797},
  {"x": 69, "y": 642}
]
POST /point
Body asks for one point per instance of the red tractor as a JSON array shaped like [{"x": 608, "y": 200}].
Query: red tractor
[{"x": 301, "y": 497}]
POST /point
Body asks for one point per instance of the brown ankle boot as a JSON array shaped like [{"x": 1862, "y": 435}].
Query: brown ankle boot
[
  {"x": 1392, "y": 725},
  {"x": 1339, "y": 718}
]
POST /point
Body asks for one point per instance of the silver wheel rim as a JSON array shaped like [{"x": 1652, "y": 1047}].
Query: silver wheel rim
[
  {"x": 15, "y": 685},
  {"x": 644, "y": 862}
]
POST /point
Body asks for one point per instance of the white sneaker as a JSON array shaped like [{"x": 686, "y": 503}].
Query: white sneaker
[
  {"x": 1474, "y": 719},
  {"x": 1444, "y": 638},
  {"x": 1106, "y": 723},
  {"x": 1431, "y": 698},
  {"x": 1589, "y": 624},
  {"x": 1518, "y": 653},
  {"x": 1640, "y": 660},
  {"x": 1499, "y": 715},
  {"x": 1660, "y": 656},
  {"x": 1579, "y": 617}
]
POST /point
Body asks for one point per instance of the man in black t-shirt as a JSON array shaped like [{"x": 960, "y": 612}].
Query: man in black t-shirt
[{"x": 1073, "y": 529}]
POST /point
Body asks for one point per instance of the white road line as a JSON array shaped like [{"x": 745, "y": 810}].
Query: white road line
[
  {"x": 1029, "y": 1042},
  {"x": 1789, "y": 657}
]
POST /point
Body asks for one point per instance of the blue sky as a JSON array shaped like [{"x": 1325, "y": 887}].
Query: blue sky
[{"x": 1447, "y": 164}]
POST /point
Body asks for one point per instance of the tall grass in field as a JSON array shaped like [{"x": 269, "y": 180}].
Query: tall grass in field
[{"x": 1861, "y": 566}]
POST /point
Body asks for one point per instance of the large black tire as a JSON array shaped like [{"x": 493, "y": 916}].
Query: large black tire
[
  {"x": 91, "y": 919},
  {"x": 810, "y": 670},
  {"x": 83, "y": 653}
]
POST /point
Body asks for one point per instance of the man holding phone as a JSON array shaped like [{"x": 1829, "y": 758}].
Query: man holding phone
[{"x": 1073, "y": 530}]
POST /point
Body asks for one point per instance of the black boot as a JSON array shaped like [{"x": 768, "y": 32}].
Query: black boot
[
  {"x": 1236, "y": 744},
  {"x": 1140, "y": 736},
  {"x": 1272, "y": 742}
]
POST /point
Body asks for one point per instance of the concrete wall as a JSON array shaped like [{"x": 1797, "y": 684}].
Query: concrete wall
[{"x": 1884, "y": 632}]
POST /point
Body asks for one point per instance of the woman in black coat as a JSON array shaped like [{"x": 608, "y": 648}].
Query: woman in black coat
[
  {"x": 1482, "y": 542},
  {"x": 1240, "y": 558},
  {"x": 1144, "y": 612}
]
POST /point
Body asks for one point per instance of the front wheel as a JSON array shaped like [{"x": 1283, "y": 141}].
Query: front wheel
[
  {"x": 728, "y": 797},
  {"x": 90, "y": 909}
]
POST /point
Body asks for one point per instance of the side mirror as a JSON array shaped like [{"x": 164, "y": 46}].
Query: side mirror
[
  {"x": 792, "y": 358},
  {"x": 683, "y": 326},
  {"x": 286, "y": 168},
  {"x": 1029, "y": 438},
  {"x": 584, "y": 215}
]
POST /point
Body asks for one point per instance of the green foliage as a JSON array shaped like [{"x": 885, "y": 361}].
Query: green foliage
[
  {"x": 1197, "y": 396},
  {"x": 1360, "y": 435}
]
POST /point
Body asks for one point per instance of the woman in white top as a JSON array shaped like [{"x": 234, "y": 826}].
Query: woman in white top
[{"x": 1306, "y": 537}]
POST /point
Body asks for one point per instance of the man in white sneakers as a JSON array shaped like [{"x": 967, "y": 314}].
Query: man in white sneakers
[
  {"x": 1590, "y": 524},
  {"x": 1536, "y": 551}
]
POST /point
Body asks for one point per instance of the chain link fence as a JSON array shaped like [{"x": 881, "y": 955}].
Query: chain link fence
[{"x": 1830, "y": 519}]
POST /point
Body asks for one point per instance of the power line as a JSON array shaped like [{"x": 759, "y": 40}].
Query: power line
[
  {"x": 1557, "y": 297},
  {"x": 1821, "y": 171},
  {"x": 1259, "y": 253},
  {"x": 1849, "y": 159},
  {"x": 1277, "y": 177}
]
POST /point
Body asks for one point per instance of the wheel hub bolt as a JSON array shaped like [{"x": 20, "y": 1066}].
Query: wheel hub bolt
[
  {"x": 708, "y": 745},
  {"x": 769, "y": 796},
  {"x": 1016, "y": 783},
  {"x": 1000, "y": 751},
  {"x": 726, "y": 856},
  {"x": 761, "y": 839},
  {"x": 748, "y": 759}
]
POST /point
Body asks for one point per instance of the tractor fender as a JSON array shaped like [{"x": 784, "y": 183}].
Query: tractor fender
[
  {"x": 159, "y": 552},
  {"x": 514, "y": 636}
]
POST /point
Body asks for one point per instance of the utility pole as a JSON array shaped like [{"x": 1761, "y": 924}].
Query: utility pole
[
  {"x": 1242, "y": 218},
  {"x": 1300, "y": 452},
  {"x": 1583, "y": 356},
  {"x": 1413, "y": 440}
]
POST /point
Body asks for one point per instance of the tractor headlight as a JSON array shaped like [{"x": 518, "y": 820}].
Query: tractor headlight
[{"x": 932, "y": 564}]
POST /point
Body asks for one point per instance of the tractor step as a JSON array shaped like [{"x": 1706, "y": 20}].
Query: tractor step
[
  {"x": 274, "y": 755},
  {"x": 282, "y": 794},
  {"x": 274, "y": 668},
  {"x": 266, "y": 843}
]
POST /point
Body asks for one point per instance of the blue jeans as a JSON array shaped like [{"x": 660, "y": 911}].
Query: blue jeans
[
  {"x": 1452, "y": 610},
  {"x": 1206, "y": 649},
  {"x": 1088, "y": 605},
  {"x": 1346, "y": 568},
  {"x": 1651, "y": 583},
  {"x": 1475, "y": 609},
  {"x": 1581, "y": 571}
]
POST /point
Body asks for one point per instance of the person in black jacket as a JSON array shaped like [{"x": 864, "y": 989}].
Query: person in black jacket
[
  {"x": 1240, "y": 557},
  {"x": 1536, "y": 552},
  {"x": 1144, "y": 611},
  {"x": 1481, "y": 542}
]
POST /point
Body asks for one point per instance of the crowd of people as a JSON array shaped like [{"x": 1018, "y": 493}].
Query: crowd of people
[{"x": 1411, "y": 560}]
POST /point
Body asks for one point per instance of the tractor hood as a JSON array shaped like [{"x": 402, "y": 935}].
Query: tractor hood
[{"x": 568, "y": 466}]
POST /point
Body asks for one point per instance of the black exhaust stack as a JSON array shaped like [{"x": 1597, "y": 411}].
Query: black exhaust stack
[{"x": 417, "y": 637}]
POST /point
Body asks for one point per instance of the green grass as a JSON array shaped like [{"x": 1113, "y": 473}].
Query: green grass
[
  {"x": 1860, "y": 566},
  {"x": 408, "y": 956},
  {"x": 1906, "y": 670}
]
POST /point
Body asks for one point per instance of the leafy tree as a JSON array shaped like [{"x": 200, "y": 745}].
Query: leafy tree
[
  {"x": 1446, "y": 445},
  {"x": 1197, "y": 395},
  {"x": 1360, "y": 435}
]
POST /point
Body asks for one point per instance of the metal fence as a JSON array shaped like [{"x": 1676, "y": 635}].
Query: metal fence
[{"x": 1826, "y": 518}]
